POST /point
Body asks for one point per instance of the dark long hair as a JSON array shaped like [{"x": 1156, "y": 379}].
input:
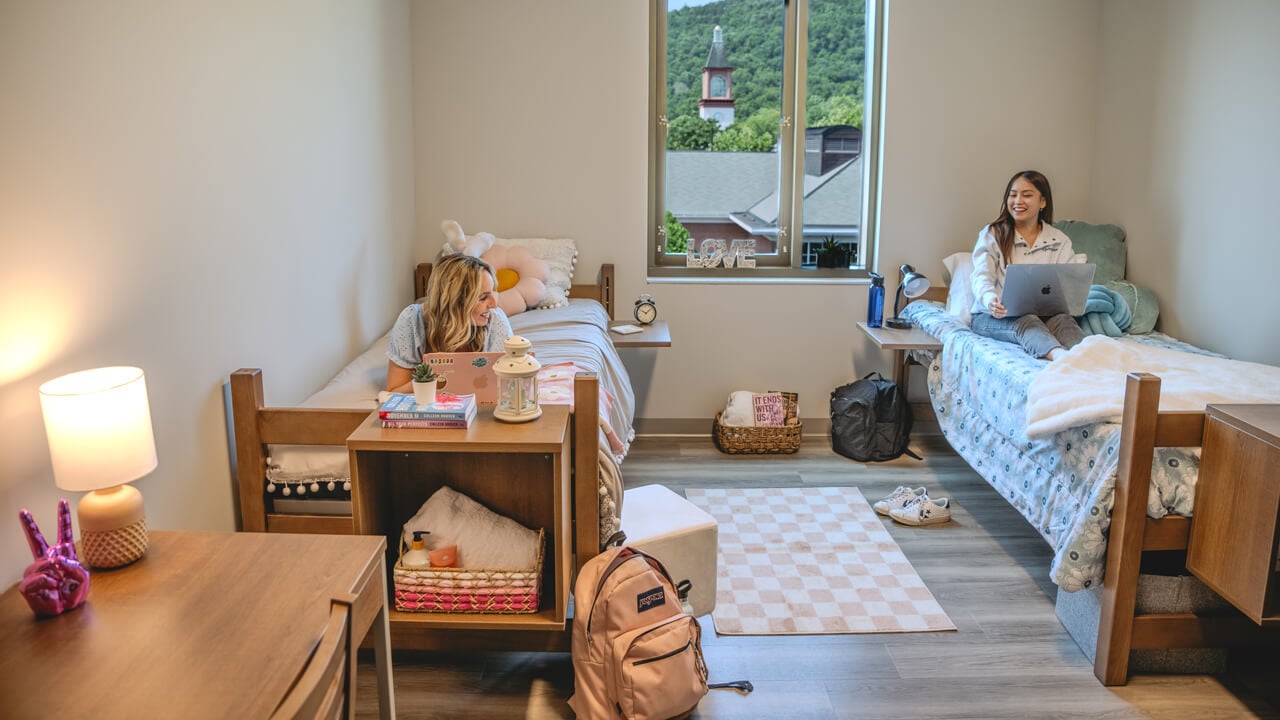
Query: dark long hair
[{"x": 1002, "y": 226}]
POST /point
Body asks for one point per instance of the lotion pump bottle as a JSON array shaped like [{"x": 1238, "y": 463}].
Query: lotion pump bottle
[{"x": 417, "y": 557}]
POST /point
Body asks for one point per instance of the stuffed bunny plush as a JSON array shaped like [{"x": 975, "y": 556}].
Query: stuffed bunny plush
[
  {"x": 476, "y": 245},
  {"x": 56, "y": 582}
]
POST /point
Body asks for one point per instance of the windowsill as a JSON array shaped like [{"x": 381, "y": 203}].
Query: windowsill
[{"x": 756, "y": 276}]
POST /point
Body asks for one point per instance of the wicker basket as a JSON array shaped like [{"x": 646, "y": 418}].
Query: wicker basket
[
  {"x": 756, "y": 440},
  {"x": 468, "y": 590}
]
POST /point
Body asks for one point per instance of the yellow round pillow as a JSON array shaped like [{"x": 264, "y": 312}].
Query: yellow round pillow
[{"x": 522, "y": 277}]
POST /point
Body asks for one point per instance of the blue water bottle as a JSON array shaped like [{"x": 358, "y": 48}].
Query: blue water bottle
[{"x": 875, "y": 301}]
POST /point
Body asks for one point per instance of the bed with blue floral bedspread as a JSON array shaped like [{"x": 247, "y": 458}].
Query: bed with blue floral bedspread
[{"x": 1062, "y": 484}]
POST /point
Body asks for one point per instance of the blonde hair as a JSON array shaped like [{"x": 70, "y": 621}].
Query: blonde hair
[{"x": 452, "y": 293}]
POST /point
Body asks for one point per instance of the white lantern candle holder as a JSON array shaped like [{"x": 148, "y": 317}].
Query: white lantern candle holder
[{"x": 517, "y": 373}]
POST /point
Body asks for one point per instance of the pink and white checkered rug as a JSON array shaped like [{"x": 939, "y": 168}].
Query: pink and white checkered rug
[{"x": 812, "y": 561}]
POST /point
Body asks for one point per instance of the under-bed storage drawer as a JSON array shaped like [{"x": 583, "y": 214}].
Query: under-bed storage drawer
[{"x": 1232, "y": 547}]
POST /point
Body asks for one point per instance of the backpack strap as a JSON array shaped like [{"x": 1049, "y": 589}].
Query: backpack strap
[
  {"x": 623, "y": 555},
  {"x": 743, "y": 686}
]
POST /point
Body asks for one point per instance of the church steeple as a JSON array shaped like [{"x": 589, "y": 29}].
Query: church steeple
[{"x": 717, "y": 83}]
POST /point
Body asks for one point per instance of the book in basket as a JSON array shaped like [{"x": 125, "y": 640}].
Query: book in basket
[{"x": 402, "y": 406}]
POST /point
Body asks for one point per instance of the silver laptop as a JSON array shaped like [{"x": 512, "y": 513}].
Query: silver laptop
[{"x": 1047, "y": 289}]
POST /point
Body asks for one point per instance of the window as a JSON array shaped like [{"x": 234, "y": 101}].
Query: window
[{"x": 762, "y": 137}]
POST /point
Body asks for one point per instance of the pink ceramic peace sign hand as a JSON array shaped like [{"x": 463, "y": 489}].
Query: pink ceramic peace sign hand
[{"x": 56, "y": 582}]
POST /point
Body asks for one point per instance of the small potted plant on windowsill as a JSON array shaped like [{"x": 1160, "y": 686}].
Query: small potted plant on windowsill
[
  {"x": 832, "y": 255},
  {"x": 424, "y": 384}
]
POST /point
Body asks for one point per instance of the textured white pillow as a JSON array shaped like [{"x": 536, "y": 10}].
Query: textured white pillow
[
  {"x": 960, "y": 291},
  {"x": 561, "y": 256}
]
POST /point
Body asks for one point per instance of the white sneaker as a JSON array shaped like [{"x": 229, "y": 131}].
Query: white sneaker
[
  {"x": 924, "y": 511},
  {"x": 898, "y": 498}
]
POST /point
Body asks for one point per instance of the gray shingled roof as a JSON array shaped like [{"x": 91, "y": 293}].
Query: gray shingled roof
[
  {"x": 713, "y": 184},
  {"x": 831, "y": 199},
  {"x": 720, "y": 184}
]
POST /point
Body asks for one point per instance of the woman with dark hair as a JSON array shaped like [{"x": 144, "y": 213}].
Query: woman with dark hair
[{"x": 1022, "y": 233}]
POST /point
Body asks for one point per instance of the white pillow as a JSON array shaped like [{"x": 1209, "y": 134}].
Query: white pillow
[
  {"x": 960, "y": 290},
  {"x": 560, "y": 255}
]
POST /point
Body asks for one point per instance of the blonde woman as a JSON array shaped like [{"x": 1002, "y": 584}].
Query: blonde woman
[{"x": 460, "y": 314}]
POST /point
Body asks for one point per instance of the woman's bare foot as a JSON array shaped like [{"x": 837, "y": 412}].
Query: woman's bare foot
[{"x": 1056, "y": 353}]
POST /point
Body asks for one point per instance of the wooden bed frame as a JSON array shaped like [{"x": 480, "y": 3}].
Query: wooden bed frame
[
  {"x": 1120, "y": 630},
  {"x": 1145, "y": 428},
  {"x": 256, "y": 426}
]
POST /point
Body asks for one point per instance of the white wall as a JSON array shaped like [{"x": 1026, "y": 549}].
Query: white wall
[
  {"x": 1186, "y": 159},
  {"x": 531, "y": 118},
  {"x": 192, "y": 188}
]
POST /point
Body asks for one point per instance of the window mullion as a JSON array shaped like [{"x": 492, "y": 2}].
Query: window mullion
[{"x": 791, "y": 127}]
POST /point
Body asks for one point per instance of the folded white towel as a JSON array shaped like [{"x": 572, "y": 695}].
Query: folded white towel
[
  {"x": 738, "y": 411},
  {"x": 485, "y": 539}
]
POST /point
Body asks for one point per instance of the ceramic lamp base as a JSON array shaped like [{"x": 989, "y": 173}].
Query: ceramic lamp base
[
  {"x": 113, "y": 528},
  {"x": 114, "y": 548}
]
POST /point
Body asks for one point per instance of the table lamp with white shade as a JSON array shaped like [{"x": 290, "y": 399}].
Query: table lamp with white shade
[
  {"x": 911, "y": 284},
  {"x": 98, "y": 424}
]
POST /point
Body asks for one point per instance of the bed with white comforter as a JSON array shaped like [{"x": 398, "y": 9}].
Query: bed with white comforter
[{"x": 1046, "y": 435}]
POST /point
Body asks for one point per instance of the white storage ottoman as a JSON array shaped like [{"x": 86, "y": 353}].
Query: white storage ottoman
[{"x": 677, "y": 532}]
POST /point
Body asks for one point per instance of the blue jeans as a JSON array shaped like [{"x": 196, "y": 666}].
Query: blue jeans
[{"x": 1036, "y": 335}]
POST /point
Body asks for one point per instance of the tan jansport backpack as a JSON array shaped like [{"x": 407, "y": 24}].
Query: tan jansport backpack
[{"x": 636, "y": 653}]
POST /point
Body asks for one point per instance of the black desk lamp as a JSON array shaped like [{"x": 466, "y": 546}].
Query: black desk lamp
[{"x": 910, "y": 284}]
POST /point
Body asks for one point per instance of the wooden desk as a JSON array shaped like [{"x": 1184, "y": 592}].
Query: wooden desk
[
  {"x": 206, "y": 625},
  {"x": 900, "y": 341},
  {"x": 656, "y": 334}
]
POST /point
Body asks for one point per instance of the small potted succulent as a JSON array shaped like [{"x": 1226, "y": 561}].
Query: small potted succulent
[
  {"x": 424, "y": 384},
  {"x": 832, "y": 254}
]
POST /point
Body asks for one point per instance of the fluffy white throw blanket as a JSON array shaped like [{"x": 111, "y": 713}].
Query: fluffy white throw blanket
[{"x": 1087, "y": 384}]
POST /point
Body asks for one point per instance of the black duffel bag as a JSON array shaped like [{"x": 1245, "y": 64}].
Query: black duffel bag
[{"x": 870, "y": 420}]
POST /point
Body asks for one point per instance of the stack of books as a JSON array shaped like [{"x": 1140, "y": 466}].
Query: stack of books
[{"x": 448, "y": 411}]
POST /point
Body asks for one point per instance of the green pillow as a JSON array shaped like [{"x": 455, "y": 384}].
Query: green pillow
[{"x": 1104, "y": 244}]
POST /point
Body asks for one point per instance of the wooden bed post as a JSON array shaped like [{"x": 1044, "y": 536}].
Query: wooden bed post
[
  {"x": 246, "y": 401},
  {"x": 586, "y": 459},
  {"x": 1128, "y": 522}
]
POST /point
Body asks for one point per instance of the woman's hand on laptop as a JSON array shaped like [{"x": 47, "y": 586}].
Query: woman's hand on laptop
[{"x": 996, "y": 309}]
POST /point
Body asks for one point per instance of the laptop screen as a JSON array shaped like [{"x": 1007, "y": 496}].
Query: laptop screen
[{"x": 1046, "y": 289}]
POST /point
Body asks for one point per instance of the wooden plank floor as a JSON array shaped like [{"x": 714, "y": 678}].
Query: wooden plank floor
[{"x": 1009, "y": 658}]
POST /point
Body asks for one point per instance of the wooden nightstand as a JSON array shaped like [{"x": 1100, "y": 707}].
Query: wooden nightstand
[
  {"x": 656, "y": 334},
  {"x": 518, "y": 470},
  {"x": 900, "y": 341}
]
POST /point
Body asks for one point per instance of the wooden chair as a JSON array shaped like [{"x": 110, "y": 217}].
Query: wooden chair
[{"x": 325, "y": 687}]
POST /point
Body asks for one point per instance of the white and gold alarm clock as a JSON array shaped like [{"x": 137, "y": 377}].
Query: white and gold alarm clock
[{"x": 646, "y": 310}]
